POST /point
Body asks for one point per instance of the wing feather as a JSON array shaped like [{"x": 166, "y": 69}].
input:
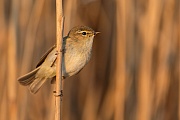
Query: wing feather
[{"x": 44, "y": 56}]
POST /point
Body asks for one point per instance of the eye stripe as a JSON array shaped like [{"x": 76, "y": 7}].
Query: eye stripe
[{"x": 84, "y": 33}]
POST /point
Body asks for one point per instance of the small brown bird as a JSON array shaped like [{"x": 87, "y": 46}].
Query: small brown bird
[{"x": 77, "y": 47}]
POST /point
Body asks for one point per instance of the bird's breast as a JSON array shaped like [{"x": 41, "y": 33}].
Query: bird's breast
[{"x": 75, "y": 58}]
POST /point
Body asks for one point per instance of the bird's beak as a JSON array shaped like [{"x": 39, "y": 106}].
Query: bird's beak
[{"x": 95, "y": 33}]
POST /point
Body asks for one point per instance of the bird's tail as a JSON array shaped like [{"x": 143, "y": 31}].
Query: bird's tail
[
  {"x": 37, "y": 84},
  {"x": 33, "y": 82},
  {"x": 28, "y": 78}
]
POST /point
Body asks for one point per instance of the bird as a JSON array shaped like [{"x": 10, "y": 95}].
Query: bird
[{"x": 77, "y": 50}]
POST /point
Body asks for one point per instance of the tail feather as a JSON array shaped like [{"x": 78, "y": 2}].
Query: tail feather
[
  {"x": 28, "y": 78},
  {"x": 28, "y": 81},
  {"x": 37, "y": 84}
]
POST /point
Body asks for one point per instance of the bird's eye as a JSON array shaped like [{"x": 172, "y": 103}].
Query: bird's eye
[{"x": 83, "y": 33}]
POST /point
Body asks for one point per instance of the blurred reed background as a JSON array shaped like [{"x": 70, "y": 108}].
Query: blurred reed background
[{"x": 133, "y": 73}]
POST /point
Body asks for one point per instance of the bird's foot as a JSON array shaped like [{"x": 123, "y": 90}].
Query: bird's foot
[
  {"x": 61, "y": 50},
  {"x": 57, "y": 52}
]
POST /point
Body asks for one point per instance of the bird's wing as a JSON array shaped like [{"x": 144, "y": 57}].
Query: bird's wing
[{"x": 44, "y": 56}]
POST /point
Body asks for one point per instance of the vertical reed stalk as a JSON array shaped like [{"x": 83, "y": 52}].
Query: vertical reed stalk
[
  {"x": 11, "y": 55},
  {"x": 120, "y": 60},
  {"x": 59, "y": 39}
]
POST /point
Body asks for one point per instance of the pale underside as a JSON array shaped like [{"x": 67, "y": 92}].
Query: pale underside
[{"x": 73, "y": 60}]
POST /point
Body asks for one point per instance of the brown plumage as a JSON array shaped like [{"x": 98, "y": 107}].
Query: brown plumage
[{"x": 77, "y": 46}]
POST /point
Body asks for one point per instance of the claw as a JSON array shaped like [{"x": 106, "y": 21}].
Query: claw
[
  {"x": 63, "y": 50},
  {"x": 56, "y": 53}
]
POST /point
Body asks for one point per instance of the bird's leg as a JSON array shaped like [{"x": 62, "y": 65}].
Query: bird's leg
[
  {"x": 61, "y": 50},
  {"x": 53, "y": 81}
]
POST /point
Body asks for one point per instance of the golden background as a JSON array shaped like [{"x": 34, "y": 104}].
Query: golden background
[{"x": 133, "y": 73}]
